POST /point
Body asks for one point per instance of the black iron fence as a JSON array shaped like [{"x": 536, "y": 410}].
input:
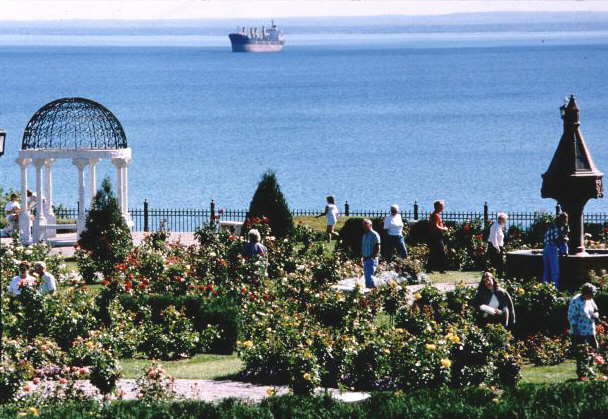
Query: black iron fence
[{"x": 187, "y": 220}]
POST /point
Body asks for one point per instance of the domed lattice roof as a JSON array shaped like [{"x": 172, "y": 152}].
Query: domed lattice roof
[{"x": 71, "y": 123}]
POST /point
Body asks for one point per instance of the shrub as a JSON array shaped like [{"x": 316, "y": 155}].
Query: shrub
[
  {"x": 351, "y": 235},
  {"x": 268, "y": 201},
  {"x": 106, "y": 237},
  {"x": 104, "y": 372}
]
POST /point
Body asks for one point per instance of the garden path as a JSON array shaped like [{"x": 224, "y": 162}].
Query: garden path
[{"x": 211, "y": 390}]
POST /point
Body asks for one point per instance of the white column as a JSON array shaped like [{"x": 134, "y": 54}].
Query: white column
[
  {"x": 80, "y": 164},
  {"x": 122, "y": 195},
  {"x": 24, "y": 218},
  {"x": 40, "y": 220},
  {"x": 125, "y": 187},
  {"x": 118, "y": 163},
  {"x": 49, "y": 214},
  {"x": 93, "y": 178}
]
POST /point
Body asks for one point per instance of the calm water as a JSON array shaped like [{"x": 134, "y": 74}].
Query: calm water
[{"x": 370, "y": 121}]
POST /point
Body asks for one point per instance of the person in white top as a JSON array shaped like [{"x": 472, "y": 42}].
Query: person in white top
[
  {"x": 331, "y": 212},
  {"x": 393, "y": 224},
  {"x": 21, "y": 280},
  {"x": 12, "y": 211},
  {"x": 496, "y": 242},
  {"x": 48, "y": 285}
]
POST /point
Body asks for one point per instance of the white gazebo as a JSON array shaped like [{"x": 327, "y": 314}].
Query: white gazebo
[{"x": 77, "y": 129}]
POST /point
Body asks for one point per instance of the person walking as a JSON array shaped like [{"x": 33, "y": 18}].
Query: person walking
[
  {"x": 393, "y": 224},
  {"x": 48, "y": 285},
  {"x": 553, "y": 237},
  {"x": 12, "y": 211},
  {"x": 370, "y": 249},
  {"x": 436, "y": 246},
  {"x": 496, "y": 242},
  {"x": 331, "y": 212},
  {"x": 582, "y": 314}
]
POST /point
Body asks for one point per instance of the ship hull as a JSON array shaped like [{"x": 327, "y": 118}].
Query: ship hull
[{"x": 242, "y": 43}]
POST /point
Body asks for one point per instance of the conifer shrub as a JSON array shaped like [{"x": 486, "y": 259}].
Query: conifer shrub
[
  {"x": 268, "y": 201},
  {"x": 106, "y": 239}
]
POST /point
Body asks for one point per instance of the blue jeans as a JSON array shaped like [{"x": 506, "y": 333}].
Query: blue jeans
[
  {"x": 396, "y": 242},
  {"x": 369, "y": 268},
  {"x": 550, "y": 264}
]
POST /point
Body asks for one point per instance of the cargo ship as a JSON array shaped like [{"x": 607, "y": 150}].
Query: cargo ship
[{"x": 254, "y": 40}]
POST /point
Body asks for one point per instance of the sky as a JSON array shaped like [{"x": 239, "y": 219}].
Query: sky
[{"x": 33, "y": 10}]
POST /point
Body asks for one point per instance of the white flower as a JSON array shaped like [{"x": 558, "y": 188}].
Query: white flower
[
  {"x": 28, "y": 252},
  {"x": 212, "y": 254}
]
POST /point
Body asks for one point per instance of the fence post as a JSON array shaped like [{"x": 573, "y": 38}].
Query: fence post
[
  {"x": 212, "y": 210},
  {"x": 557, "y": 209},
  {"x": 415, "y": 210},
  {"x": 346, "y": 208},
  {"x": 146, "y": 229},
  {"x": 485, "y": 213}
]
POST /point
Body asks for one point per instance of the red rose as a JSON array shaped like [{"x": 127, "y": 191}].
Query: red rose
[
  {"x": 465, "y": 227},
  {"x": 251, "y": 297},
  {"x": 128, "y": 286}
]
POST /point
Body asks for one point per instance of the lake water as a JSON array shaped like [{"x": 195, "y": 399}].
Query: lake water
[{"x": 375, "y": 119}]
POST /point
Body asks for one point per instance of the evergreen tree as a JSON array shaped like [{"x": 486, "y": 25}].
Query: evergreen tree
[
  {"x": 106, "y": 234},
  {"x": 268, "y": 201}
]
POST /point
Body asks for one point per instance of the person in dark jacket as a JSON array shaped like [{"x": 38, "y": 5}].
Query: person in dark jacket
[{"x": 492, "y": 303}]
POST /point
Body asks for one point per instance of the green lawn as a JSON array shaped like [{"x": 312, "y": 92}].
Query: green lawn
[
  {"x": 454, "y": 277},
  {"x": 548, "y": 375},
  {"x": 202, "y": 367}
]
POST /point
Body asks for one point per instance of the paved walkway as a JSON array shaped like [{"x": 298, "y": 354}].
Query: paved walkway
[{"x": 210, "y": 390}]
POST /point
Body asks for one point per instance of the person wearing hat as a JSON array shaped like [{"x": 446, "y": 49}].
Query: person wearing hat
[
  {"x": 393, "y": 224},
  {"x": 48, "y": 285},
  {"x": 582, "y": 314}
]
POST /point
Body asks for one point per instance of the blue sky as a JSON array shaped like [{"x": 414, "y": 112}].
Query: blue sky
[{"x": 221, "y": 9}]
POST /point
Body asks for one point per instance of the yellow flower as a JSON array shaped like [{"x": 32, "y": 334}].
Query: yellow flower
[
  {"x": 399, "y": 393},
  {"x": 455, "y": 339},
  {"x": 430, "y": 346},
  {"x": 271, "y": 391},
  {"x": 307, "y": 376},
  {"x": 33, "y": 411},
  {"x": 461, "y": 284},
  {"x": 248, "y": 344},
  {"x": 307, "y": 355},
  {"x": 446, "y": 363},
  {"x": 21, "y": 414},
  {"x": 417, "y": 296},
  {"x": 393, "y": 284},
  {"x": 520, "y": 291},
  {"x": 387, "y": 351},
  {"x": 399, "y": 330}
]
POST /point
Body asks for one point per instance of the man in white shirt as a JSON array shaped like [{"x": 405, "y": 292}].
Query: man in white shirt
[
  {"x": 24, "y": 279},
  {"x": 496, "y": 242},
  {"x": 393, "y": 224},
  {"x": 48, "y": 285}
]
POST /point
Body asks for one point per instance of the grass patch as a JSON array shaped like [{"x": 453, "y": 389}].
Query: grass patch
[
  {"x": 551, "y": 374},
  {"x": 202, "y": 367},
  {"x": 318, "y": 224},
  {"x": 454, "y": 277}
]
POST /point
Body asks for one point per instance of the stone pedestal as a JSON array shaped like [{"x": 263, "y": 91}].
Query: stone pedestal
[{"x": 573, "y": 269}]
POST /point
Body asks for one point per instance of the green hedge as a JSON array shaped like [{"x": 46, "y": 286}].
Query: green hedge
[
  {"x": 567, "y": 400},
  {"x": 217, "y": 312}
]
